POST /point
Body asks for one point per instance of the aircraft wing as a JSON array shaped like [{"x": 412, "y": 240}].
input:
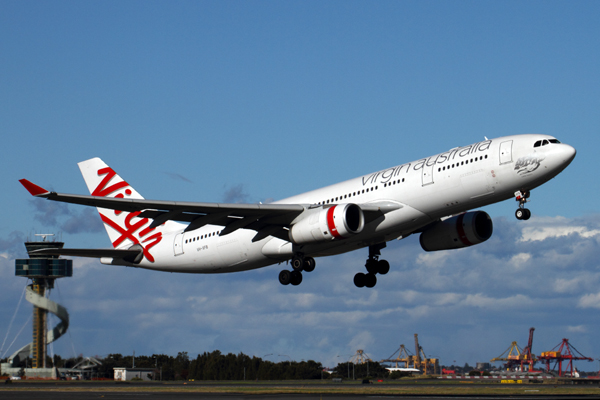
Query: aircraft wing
[
  {"x": 266, "y": 219},
  {"x": 132, "y": 255},
  {"x": 233, "y": 216}
]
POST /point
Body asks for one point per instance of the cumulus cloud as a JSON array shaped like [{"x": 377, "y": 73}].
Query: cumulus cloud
[
  {"x": 67, "y": 218},
  {"x": 577, "y": 329},
  {"x": 466, "y": 305},
  {"x": 235, "y": 194},
  {"x": 556, "y": 227}
]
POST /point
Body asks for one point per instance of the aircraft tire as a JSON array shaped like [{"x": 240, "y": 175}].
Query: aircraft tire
[
  {"x": 296, "y": 278},
  {"x": 383, "y": 267},
  {"x": 359, "y": 279},
  {"x": 526, "y": 214},
  {"x": 309, "y": 264},
  {"x": 519, "y": 213},
  {"x": 371, "y": 280},
  {"x": 285, "y": 277},
  {"x": 372, "y": 266},
  {"x": 297, "y": 263}
]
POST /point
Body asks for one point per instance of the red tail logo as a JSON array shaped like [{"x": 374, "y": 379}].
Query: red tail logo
[{"x": 127, "y": 228}]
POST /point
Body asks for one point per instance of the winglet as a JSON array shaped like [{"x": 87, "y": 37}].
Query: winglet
[{"x": 32, "y": 188}]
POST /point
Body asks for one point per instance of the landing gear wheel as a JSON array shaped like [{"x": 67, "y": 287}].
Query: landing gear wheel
[
  {"x": 520, "y": 213},
  {"x": 309, "y": 264},
  {"x": 296, "y": 278},
  {"x": 370, "y": 280},
  {"x": 285, "y": 277},
  {"x": 297, "y": 263},
  {"x": 383, "y": 267},
  {"x": 372, "y": 266},
  {"x": 359, "y": 279},
  {"x": 523, "y": 214}
]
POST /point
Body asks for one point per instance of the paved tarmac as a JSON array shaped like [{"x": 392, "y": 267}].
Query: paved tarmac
[
  {"x": 71, "y": 390},
  {"x": 35, "y": 395}
]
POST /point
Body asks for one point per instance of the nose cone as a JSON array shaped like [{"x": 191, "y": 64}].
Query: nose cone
[{"x": 568, "y": 153}]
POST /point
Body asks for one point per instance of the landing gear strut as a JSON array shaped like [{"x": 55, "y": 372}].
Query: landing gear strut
[
  {"x": 522, "y": 213},
  {"x": 374, "y": 266},
  {"x": 299, "y": 263}
]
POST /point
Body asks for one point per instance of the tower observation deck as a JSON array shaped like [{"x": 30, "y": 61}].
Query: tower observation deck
[{"x": 43, "y": 270}]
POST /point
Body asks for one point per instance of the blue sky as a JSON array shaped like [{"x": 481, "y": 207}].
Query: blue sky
[{"x": 254, "y": 101}]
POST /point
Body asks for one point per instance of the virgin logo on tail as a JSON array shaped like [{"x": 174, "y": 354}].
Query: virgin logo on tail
[{"x": 128, "y": 226}]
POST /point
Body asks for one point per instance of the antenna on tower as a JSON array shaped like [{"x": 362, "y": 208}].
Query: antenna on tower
[{"x": 44, "y": 235}]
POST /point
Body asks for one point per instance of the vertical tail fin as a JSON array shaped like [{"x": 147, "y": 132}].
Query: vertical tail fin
[{"x": 124, "y": 229}]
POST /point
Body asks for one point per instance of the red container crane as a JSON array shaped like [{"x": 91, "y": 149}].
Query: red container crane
[{"x": 565, "y": 352}]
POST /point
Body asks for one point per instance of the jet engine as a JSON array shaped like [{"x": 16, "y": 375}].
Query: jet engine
[
  {"x": 336, "y": 222},
  {"x": 463, "y": 230}
]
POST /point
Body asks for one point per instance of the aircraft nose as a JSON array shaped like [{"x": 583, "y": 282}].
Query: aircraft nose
[{"x": 568, "y": 153}]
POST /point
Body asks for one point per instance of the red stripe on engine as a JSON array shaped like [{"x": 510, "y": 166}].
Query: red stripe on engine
[
  {"x": 331, "y": 223},
  {"x": 461, "y": 231}
]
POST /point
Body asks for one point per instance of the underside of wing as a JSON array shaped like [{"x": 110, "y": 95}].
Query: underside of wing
[
  {"x": 273, "y": 217},
  {"x": 133, "y": 255},
  {"x": 265, "y": 219}
]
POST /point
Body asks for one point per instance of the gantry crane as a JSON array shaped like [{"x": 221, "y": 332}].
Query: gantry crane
[
  {"x": 515, "y": 357},
  {"x": 427, "y": 365},
  {"x": 360, "y": 357},
  {"x": 527, "y": 357},
  {"x": 404, "y": 358},
  {"x": 565, "y": 352},
  {"x": 419, "y": 361},
  {"x": 511, "y": 356}
]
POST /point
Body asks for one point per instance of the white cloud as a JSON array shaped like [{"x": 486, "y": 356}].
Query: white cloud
[
  {"x": 590, "y": 300},
  {"x": 562, "y": 285},
  {"x": 519, "y": 260},
  {"x": 577, "y": 329},
  {"x": 439, "y": 295},
  {"x": 544, "y": 228}
]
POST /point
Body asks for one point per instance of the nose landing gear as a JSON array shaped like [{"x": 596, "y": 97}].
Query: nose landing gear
[
  {"x": 299, "y": 263},
  {"x": 374, "y": 266},
  {"x": 522, "y": 213}
]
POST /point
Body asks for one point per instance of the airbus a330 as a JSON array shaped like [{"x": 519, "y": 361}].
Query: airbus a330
[{"x": 432, "y": 197}]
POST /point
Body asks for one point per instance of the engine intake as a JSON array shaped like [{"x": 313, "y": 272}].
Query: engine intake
[
  {"x": 336, "y": 222},
  {"x": 463, "y": 230}
]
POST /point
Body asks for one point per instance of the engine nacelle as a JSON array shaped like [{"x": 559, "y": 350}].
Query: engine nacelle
[
  {"x": 336, "y": 222},
  {"x": 460, "y": 231}
]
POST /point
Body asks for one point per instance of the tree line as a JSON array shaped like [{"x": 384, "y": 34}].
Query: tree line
[{"x": 217, "y": 366}]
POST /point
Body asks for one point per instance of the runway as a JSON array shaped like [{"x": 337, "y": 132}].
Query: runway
[{"x": 302, "y": 390}]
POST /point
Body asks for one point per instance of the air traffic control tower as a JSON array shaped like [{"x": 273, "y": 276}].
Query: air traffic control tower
[{"x": 43, "y": 270}]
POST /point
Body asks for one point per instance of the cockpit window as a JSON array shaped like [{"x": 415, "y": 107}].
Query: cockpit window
[{"x": 545, "y": 142}]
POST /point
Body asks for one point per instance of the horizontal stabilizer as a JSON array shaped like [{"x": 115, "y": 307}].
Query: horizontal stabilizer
[{"x": 133, "y": 256}]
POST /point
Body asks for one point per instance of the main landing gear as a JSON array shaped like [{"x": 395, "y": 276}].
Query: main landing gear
[
  {"x": 522, "y": 213},
  {"x": 299, "y": 264},
  {"x": 374, "y": 266}
]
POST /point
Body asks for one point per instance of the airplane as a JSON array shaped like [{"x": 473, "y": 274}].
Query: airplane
[{"x": 431, "y": 197}]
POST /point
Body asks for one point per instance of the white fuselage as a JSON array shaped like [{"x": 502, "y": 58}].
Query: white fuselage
[{"x": 426, "y": 190}]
